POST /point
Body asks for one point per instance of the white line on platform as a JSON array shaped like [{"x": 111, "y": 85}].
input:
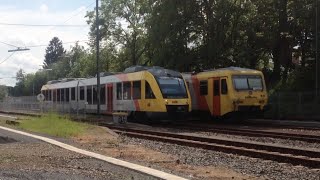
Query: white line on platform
[{"x": 136, "y": 167}]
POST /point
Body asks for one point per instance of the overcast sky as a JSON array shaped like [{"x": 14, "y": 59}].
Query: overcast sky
[{"x": 38, "y": 12}]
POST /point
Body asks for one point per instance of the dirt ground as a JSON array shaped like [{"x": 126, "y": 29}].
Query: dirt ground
[{"x": 106, "y": 142}]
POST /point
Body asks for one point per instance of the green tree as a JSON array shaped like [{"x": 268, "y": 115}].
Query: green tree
[
  {"x": 3, "y": 92},
  {"x": 123, "y": 24},
  {"x": 54, "y": 51}
]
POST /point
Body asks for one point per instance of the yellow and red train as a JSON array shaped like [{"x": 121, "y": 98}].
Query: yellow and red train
[
  {"x": 227, "y": 91},
  {"x": 155, "y": 91},
  {"x": 139, "y": 91}
]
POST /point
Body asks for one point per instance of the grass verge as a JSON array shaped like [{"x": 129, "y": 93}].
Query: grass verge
[{"x": 55, "y": 125}]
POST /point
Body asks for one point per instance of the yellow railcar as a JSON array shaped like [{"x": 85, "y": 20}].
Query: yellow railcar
[
  {"x": 227, "y": 91},
  {"x": 140, "y": 91}
]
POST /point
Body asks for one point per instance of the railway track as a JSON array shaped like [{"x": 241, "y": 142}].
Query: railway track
[
  {"x": 248, "y": 132},
  {"x": 281, "y": 154}
]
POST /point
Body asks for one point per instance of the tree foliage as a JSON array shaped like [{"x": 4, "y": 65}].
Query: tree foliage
[
  {"x": 193, "y": 36},
  {"x": 54, "y": 51}
]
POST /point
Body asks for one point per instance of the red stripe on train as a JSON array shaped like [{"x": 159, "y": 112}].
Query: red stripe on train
[{"x": 136, "y": 103}]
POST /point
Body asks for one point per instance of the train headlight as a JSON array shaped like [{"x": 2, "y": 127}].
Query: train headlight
[
  {"x": 166, "y": 101},
  {"x": 261, "y": 101}
]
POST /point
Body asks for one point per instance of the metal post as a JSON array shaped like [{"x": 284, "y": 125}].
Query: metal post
[
  {"x": 98, "y": 72},
  {"x": 317, "y": 63}
]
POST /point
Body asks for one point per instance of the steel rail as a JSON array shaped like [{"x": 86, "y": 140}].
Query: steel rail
[
  {"x": 252, "y": 133},
  {"x": 257, "y": 150}
]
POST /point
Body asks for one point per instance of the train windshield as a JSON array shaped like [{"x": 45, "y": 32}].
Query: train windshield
[
  {"x": 247, "y": 82},
  {"x": 172, "y": 87}
]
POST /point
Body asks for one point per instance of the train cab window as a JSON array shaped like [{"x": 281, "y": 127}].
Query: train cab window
[
  {"x": 103, "y": 94},
  {"x": 149, "y": 92},
  {"x": 95, "y": 99},
  {"x": 126, "y": 90},
  {"x": 81, "y": 93},
  {"x": 67, "y": 94},
  {"x": 136, "y": 89},
  {"x": 216, "y": 88},
  {"x": 73, "y": 94},
  {"x": 119, "y": 91},
  {"x": 203, "y": 88},
  {"x": 224, "y": 86},
  {"x": 58, "y": 95},
  {"x": 89, "y": 94}
]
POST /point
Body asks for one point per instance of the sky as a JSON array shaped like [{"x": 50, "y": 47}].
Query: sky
[{"x": 39, "y": 12}]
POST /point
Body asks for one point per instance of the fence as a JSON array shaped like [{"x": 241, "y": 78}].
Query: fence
[
  {"x": 283, "y": 105},
  {"x": 294, "y": 105},
  {"x": 30, "y": 104}
]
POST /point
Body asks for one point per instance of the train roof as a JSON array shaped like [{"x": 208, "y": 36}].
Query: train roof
[
  {"x": 70, "y": 82},
  {"x": 231, "y": 69},
  {"x": 154, "y": 70}
]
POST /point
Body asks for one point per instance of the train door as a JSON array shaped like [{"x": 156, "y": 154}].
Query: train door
[
  {"x": 216, "y": 97},
  {"x": 225, "y": 103},
  {"x": 110, "y": 97}
]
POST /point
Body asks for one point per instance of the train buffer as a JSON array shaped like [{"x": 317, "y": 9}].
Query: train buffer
[{"x": 120, "y": 117}]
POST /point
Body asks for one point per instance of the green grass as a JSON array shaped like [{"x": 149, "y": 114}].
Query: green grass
[{"x": 55, "y": 125}]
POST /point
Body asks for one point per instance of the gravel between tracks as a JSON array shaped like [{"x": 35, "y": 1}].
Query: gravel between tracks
[
  {"x": 245, "y": 165},
  {"x": 267, "y": 140}
]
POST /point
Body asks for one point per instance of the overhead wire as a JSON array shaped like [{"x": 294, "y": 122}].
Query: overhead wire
[
  {"x": 8, "y": 44},
  {"x": 41, "y": 45},
  {"x": 7, "y": 58},
  {"x": 43, "y": 25},
  {"x": 77, "y": 13}
]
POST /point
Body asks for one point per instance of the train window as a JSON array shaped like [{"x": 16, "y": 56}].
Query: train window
[
  {"x": 149, "y": 93},
  {"x": 95, "y": 99},
  {"x": 46, "y": 95},
  {"x": 127, "y": 90},
  {"x": 89, "y": 94},
  {"x": 103, "y": 94},
  {"x": 81, "y": 93},
  {"x": 49, "y": 95},
  {"x": 224, "y": 86},
  {"x": 54, "y": 95},
  {"x": 62, "y": 95},
  {"x": 119, "y": 91},
  {"x": 216, "y": 88},
  {"x": 67, "y": 94},
  {"x": 203, "y": 88},
  {"x": 58, "y": 95},
  {"x": 73, "y": 94},
  {"x": 136, "y": 85}
]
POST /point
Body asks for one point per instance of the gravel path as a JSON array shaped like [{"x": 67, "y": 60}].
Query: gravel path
[
  {"x": 245, "y": 165},
  {"x": 28, "y": 158}
]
